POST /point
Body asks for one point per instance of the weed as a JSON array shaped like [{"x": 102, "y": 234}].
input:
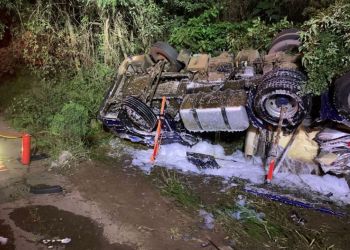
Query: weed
[
  {"x": 174, "y": 188},
  {"x": 61, "y": 113}
]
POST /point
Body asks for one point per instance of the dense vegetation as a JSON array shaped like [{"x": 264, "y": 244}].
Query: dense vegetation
[{"x": 74, "y": 47}]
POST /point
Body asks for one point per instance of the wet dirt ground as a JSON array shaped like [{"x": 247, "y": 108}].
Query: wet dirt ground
[{"x": 103, "y": 206}]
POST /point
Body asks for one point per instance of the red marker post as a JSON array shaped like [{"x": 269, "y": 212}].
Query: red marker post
[
  {"x": 157, "y": 137},
  {"x": 270, "y": 171},
  {"x": 25, "y": 149}
]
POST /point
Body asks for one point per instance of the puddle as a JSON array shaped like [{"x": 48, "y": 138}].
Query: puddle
[
  {"x": 6, "y": 232},
  {"x": 51, "y": 222}
]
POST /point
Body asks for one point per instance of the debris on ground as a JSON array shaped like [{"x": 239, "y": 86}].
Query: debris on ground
[
  {"x": 202, "y": 161},
  {"x": 335, "y": 151},
  {"x": 243, "y": 211},
  {"x": 297, "y": 219},
  {"x": 208, "y": 219},
  {"x": 54, "y": 242},
  {"x": 63, "y": 241},
  {"x": 45, "y": 189},
  {"x": 304, "y": 147},
  {"x": 3, "y": 241},
  {"x": 293, "y": 202},
  {"x": 63, "y": 160}
]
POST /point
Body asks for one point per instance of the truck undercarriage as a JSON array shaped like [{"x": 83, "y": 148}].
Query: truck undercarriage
[{"x": 204, "y": 93}]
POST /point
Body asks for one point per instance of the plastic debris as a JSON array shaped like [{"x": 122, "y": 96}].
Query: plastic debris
[
  {"x": 296, "y": 203},
  {"x": 297, "y": 219},
  {"x": 334, "y": 156},
  {"x": 202, "y": 161},
  {"x": 208, "y": 219},
  {"x": 55, "y": 241},
  {"x": 66, "y": 240},
  {"x": 244, "y": 212},
  {"x": 3, "y": 241}
]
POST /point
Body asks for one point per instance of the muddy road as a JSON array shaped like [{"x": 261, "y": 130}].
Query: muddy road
[
  {"x": 103, "y": 206},
  {"x": 100, "y": 209},
  {"x": 109, "y": 204}
]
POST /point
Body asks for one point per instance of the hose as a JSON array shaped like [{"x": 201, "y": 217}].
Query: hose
[{"x": 10, "y": 135}]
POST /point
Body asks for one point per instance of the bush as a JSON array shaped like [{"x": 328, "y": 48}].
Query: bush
[
  {"x": 203, "y": 33},
  {"x": 60, "y": 111},
  {"x": 255, "y": 34},
  {"x": 326, "y": 47},
  {"x": 71, "y": 122}
]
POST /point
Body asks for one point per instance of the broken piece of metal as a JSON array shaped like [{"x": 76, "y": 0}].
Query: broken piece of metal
[{"x": 202, "y": 161}]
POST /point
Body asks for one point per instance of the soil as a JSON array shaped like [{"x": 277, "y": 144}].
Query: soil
[
  {"x": 130, "y": 197},
  {"x": 105, "y": 205},
  {"x": 53, "y": 222}
]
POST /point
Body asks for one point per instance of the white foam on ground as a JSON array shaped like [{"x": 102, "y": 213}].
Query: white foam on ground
[{"x": 173, "y": 156}]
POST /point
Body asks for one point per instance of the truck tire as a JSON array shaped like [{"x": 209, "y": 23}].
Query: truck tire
[
  {"x": 288, "y": 34},
  {"x": 341, "y": 95},
  {"x": 162, "y": 50},
  {"x": 285, "y": 40},
  {"x": 138, "y": 114},
  {"x": 279, "y": 89}
]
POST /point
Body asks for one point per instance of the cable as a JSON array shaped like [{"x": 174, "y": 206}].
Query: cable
[{"x": 10, "y": 135}]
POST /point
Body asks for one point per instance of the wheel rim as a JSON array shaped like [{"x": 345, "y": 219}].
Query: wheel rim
[{"x": 274, "y": 103}]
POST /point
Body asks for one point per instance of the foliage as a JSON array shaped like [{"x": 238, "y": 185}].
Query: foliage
[
  {"x": 202, "y": 33},
  {"x": 187, "y": 8},
  {"x": 76, "y": 35},
  {"x": 71, "y": 122},
  {"x": 2, "y": 30},
  {"x": 255, "y": 34},
  {"x": 268, "y": 9},
  {"x": 62, "y": 110},
  {"x": 73, "y": 47},
  {"x": 206, "y": 34},
  {"x": 326, "y": 47},
  {"x": 294, "y": 10}
]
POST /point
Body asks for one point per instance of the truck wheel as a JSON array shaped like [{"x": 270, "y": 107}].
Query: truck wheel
[
  {"x": 288, "y": 34},
  {"x": 341, "y": 96},
  {"x": 276, "y": 91},
  {"x": 286, "y": 40},
  {"x": 162, "y": 50},
  {"x": 138, "y": 114},
  {"x": 290, "y": 74}
]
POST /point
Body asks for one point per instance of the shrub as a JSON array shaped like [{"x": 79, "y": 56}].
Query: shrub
[
  {"x": 71, "y": 122},
  {"x": 326, "y": 47},
  {"x": 255, "y": 34},
  {"x": 203, "y": 33},
  {"x": 60, "y": 110}
]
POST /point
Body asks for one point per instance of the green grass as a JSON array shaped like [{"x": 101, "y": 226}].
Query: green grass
[
  {"x": 13, "y": 86},
  {"x": 173, "y": 187}
]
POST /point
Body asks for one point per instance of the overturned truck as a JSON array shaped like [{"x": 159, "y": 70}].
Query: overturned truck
[{"x": 206, "y": 93}]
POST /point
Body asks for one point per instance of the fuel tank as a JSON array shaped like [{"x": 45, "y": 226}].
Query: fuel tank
[{"x": 215, "y": 111}]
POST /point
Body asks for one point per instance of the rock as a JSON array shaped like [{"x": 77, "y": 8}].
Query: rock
[{"x": 64, "y": 158}]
